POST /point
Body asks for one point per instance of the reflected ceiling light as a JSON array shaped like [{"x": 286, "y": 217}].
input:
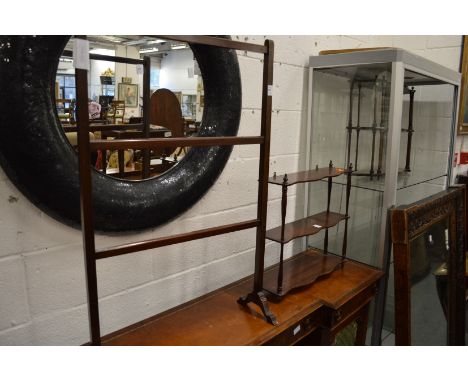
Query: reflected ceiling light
[
  {"x": 114, "y": 39},
  {"x": 158, "y": 41},
  {"x": 149, "y": 50},
  {"x": 183, "y": 46}
]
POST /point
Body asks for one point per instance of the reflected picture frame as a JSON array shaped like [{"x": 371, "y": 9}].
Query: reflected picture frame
[
  {"x": 128, "y": 93},
  {"x": 463, "y": 109}
]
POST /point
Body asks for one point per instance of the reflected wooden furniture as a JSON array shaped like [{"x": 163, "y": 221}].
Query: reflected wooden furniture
[
  {"x": 65, "y": 110},
  {"x": 441, "y": 276},
  {"x": 131, "y": 134},
  {"x": 407, "y": 224},
  {"x": 311, "y": 316},
  {"x": 116, "y": 112},
  {"x": 105, "y": 102},
  {"x": 191, "y": 126},
  {"x": 165, "y": 111}
]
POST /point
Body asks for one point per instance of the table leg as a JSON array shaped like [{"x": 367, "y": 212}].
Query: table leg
[
  {"x": 103, "y": 160},
  {"x": 121, "y": 163},
  {"x": 362, "y": 326}
]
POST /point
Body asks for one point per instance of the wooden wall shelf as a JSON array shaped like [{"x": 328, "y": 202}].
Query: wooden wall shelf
[
  {"x": 307, "y": 266},
  {"x": 305, "y": 227},
  {"x": 308, "y": 176},
  {"x": 301, "y": 270}
]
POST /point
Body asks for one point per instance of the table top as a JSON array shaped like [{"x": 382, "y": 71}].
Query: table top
[
  {"x": 217, "y": 318},
  {"x": 159, "y": 132}
]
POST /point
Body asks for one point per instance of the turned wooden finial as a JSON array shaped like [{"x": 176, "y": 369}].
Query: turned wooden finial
[
  {"x": 330, "y": 164},
  {"x": 285, "y": 178},
  {"x": 274, "y": 174},
  {"x": 350, "y": 167},
  {"x": 316, "y": 166}
]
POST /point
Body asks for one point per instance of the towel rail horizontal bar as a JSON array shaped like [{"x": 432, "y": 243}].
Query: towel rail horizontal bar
[
  {"x": 147, "y": 143},
  {"x": 103, "y": 57},
  {"x": 175, "y": 239},
  {"x": 135, "y": 126},
  {"x": 218, "y": 42}
]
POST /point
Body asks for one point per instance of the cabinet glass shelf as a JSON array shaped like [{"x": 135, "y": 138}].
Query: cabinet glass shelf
[{"x": 404, "y": 180}]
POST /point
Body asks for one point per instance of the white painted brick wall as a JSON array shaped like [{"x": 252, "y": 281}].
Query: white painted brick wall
[
  {"x": 42, "y": 287},
  {"x": 14, "y": 307}
]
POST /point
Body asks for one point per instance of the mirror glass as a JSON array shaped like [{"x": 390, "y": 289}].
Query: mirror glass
[
  {"x": 115, "y": 100},
  {"x": 429, "y": 253}
]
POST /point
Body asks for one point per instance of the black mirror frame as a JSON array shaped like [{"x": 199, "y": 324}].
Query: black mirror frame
[{"x": 36, "y": 156}]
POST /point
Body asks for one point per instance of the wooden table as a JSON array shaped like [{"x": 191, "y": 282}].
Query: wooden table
[
  {"x": 311, "y": 316},
  {"x": 160, "y": 132}
]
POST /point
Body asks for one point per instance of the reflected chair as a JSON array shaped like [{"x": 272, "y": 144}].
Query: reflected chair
[
  {"x": 65, "y": 110},
  {"x": 165, "y": 111},
  {"x": 116, "y": 112}
]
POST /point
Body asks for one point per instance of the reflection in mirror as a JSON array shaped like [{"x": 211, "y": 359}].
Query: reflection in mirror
[
  {"x": 428, "y": 255},
  {"x": 355, "y": 100},
  {"x": 115, "y": 93}
]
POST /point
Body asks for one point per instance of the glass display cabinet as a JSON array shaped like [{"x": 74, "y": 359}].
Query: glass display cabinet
[{"x": 391, "y": 114}]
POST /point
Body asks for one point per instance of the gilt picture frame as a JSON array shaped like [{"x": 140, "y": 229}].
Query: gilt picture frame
[{"x": 129, "y": 94}]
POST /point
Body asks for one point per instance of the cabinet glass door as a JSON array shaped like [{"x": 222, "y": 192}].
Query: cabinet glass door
[{"x": 349, "y": 124}]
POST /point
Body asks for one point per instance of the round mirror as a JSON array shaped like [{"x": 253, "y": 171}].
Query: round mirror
[
  {"x": 37, "y": 156},
  {"x": 115, "y": 100}
]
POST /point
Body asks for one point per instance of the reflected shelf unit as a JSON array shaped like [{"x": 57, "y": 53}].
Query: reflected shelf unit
[
  {"x": 380, "y": 88},
  {"x": 304, "y": 268}
]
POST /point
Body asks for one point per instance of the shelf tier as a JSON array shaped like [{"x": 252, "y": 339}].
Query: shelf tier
[
  {"x": 305, "y": 227},
  {"x": 301, "y": 270},
  {"x": 367, "y": 128},
  {"x": 308, "y": 176}
]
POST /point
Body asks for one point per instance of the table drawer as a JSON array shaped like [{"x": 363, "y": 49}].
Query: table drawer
[
  {"x": 296, "y": 332},
  {"x": 339, "y": 317}
]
